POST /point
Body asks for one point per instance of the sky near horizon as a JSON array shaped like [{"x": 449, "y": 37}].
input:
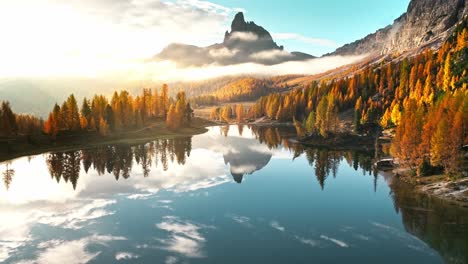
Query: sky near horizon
[{"x": 76, "y": 37}]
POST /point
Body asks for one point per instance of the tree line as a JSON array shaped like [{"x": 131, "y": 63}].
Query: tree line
[
  {"x": 12, "y": 124},
  {"x": 99, "y": 114}
]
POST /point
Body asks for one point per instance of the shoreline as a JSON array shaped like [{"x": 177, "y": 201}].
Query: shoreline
[
  {"x": 454, "y": 191},
  {"x": 439, "y": 186},
  {"x": 153, "y": 131}
]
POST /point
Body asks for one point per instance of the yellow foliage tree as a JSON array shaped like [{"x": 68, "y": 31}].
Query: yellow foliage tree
[{"x": 103, "y": 127}]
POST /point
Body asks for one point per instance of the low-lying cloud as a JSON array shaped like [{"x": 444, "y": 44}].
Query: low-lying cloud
[
  {"x": 244, "y": 36},
  {"x": 168, "y": 71},
  {"x": 223, "y": 53},
  {"x": 271, "y": 55}
]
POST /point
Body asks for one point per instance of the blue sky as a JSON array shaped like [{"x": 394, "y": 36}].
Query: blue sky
[{"x": 340, "y": 21}]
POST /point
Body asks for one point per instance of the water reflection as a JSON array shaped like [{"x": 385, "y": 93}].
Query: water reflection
[
  {"x": 118, "y": 160},
  {"x": 179, "y": 190},
  {"x": 244, "y": 156},
  {"x": 433, "y": 222},
  {"x": 8, "y": 175}
]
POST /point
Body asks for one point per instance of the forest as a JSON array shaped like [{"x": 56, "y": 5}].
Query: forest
[{"x": 99, "y": 114}]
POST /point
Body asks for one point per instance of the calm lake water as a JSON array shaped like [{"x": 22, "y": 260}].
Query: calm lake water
[{"x": 232, "y": 195}]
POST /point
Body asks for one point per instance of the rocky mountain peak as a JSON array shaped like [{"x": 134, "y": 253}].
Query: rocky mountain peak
[
  {"x": 239, "y": 24},
  {"x": 247, "y": 42}
]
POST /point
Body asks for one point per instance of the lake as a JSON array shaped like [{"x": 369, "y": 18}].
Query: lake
[{"x": 232, "y": 195}]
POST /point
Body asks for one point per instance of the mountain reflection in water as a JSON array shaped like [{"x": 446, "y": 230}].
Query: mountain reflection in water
[{"x": 46, "y": 195}]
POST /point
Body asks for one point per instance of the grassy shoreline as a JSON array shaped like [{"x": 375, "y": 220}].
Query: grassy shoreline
[{"x": 27, "y": 146}]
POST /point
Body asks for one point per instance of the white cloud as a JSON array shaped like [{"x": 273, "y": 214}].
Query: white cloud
[
  {"x": 171, "y": 260},
  {"x": 223, "y": 53},
  {"x": 168, "y": 70},
  {"x": 91, "y": 38},
  {"x": 125, "y": 256},
  {"x": 336, "y": 241},
  {"x": 15, "y": 230},
  {"x": 308, "y": 40},
  {"x": 243, "y": 220},
  {"x": 184, "y": 237},
  {"x": 76, "y": 216},
  {"x": 140, "y": 196},
  {"x": 277, "y": 226},
  {"x": 309, "y": 242},
  {"x": 244, "y": 36},
  {"x": 271, "y": 55},
  {"x": 174, "y": 225},
  {"x": 71, "y": 252}
]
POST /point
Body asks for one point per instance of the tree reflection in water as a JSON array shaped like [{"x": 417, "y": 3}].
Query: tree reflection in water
[
  {"x": 8, "y": 175},
  {"x": 118, "y": 159},
  {"x": 443, "y": 227}
]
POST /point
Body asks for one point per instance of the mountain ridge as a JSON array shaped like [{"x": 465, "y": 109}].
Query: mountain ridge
[{"x": 426, "y": 22}]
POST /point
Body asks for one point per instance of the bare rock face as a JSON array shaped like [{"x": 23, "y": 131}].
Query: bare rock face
[
  {"x": 424, "y": 22},
  {"x": 240, "y": 26}
]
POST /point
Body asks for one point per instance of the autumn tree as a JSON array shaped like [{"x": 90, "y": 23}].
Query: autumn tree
[
  {"x": 86, "y": 113},
  {"x": 310, "y": 123},
  {"x": 226, "y": 113},
  {"x": 240, "y": 113},
  {"x": 73, "y": 118},
  {"x": 164, "y": 100},
  {"x": 8, "y": 125},
  {"x": 103, "y": 127},
  {"x": 447, "y": 74},
  {"x": 171, "y": 122}
]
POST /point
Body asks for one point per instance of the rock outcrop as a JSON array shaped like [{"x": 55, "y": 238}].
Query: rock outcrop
[
  {"x": 426, "y": 22},
  {"x": 247, "y": 42}
]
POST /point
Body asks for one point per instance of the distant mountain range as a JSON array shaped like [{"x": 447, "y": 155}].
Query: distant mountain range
[{"x": 247, "y": 42}]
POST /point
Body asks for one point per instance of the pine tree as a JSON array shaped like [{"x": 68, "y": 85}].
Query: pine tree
[
  {"x": 440, "y": 152},
  {"x": 57, "y": 118},
  {"x": 50, "y": 126},
  {"x": 8, "y": 124},
  {"x": 447, "y": 73},
  {"x": 73, "y": 112},
  {"x": 103, "y": 127},
  {"x": 428, "y": 94},
  {"x": 164, "y": 104},
  {"x": 456, "y": 142},
  {"x": 109, "y": 117},
  {"x": 240, "y": 113},
  {"x": 86, "y": 111},
  {"x": 170, "y": 119},
  {"x": 310, "y": 123},
  {"x": 83, "y": 123},
  {"x": 65, "y": 117}
]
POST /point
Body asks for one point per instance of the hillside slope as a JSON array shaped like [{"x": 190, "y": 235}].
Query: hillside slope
[{"x": 426, "y": 22}]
